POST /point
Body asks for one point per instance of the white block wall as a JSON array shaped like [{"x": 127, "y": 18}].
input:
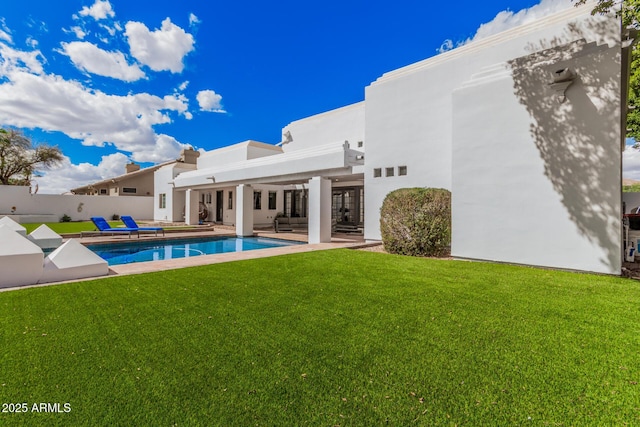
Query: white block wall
[
  {"x": 537, "y": 181},
  {"x": 79, "y": 208}
]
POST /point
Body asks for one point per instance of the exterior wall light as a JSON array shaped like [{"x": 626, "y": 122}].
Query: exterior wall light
[{"x": 562, "y": 79}]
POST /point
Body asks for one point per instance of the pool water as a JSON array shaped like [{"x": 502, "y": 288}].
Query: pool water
[{"x": 126, "y": 253}]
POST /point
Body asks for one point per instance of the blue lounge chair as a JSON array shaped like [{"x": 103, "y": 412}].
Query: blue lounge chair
[
  {"x": 131, "y": 223},
  {"x": 104, "y": 228}
]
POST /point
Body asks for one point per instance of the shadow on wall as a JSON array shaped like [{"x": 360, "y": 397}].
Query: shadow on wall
[{"x": 579, "y": 139}]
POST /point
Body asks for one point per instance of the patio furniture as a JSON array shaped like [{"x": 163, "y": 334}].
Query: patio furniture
[
  {"x": 131, "y": 223},
  {"x": 104, "y": 228},
  {"x": 285, "y": 223}
]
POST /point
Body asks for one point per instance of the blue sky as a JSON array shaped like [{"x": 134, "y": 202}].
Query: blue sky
[{"x": 112, "y": 81}]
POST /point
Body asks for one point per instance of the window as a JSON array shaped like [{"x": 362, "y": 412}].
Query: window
[
  {"x": 388, "y": 172},
  {"x": 129, "y": 190},
  {"x": 360, "y": 144},
  {"x": 208, "y": 198},
  {"x": 162, "y": 201},
  {"x": 257, "y": 200},
  {"x": 402, "y": 170},
  {"x": 377, "y": 172},
  {"x": 272, "y": 200},
  {"x": 230, "y": 202},
  {"x": 103, "y": 191},
  {"x": 295, "y": 203}
]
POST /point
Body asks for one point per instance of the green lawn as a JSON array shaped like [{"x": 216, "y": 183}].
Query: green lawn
[
  {"x": 330, "y": 338},
  {"x": 79, "y": 226},
  {"x": 69, "y": 227}
]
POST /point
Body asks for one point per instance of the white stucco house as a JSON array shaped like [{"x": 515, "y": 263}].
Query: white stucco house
[{"x": 525, "y": 128}]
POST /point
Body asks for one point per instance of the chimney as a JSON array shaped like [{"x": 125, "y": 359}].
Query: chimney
[
  {"x": 132, "y": 167},
  {"x": 189, "y": 155}
]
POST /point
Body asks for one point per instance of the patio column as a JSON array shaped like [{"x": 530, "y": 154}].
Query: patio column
[
  {"x": 319, "y": 210},
  {"x": 191, "y": 205},
  {"x": 244, "y": 210}
]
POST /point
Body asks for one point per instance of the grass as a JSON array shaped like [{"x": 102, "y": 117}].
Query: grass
[
  {"x": 69, "y": 227},
  {"x": 330, "y": 338},
  {"x": 79, "y": 226}
]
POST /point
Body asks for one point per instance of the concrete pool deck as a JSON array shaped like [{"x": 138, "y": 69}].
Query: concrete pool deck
[{"x": 337, "y": 241}]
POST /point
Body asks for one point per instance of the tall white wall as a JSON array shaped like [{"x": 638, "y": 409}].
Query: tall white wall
[
  {"x": 79, "y": 208},
  {"x": 409, "y": 111},
  {"x": 175, "y": 200},
  {"x": 536, "y": 180},
  {"x": 339, "y": 125}
]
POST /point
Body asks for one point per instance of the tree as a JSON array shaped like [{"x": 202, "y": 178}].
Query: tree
[
  {"x": 629, "y": 12},
  {"x": 19, "y": 157}
]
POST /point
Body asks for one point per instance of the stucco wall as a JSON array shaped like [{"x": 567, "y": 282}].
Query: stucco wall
[
  {"x": 236, "y": 153},
  {"x": 536, "y": 180},
  {"x": 533, "y": 181},
  {"x": 173, "y": 212},
  {"x": 409, "y": 111},
  {"x": 336, "y": 126},
  {"x": 79, "y": 208}
]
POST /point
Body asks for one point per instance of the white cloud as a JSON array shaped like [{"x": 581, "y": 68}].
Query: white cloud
[
  {"x": 193, "y": 19},
  {"x": 67, "y": 175},
  {"x": 165, "y": 147},
  {"x": 508, "y": 19},
  {"x": 108, "y": 29},
  {"x": 4, "y": 35},
  {"x": 91, "y": 116},
  {"x": 209, "y": 101},
  {"x": 101, "y": 9},
  {"x": 445, "y": 46},
  {"x": 32, "y": 98},
  {"x": 78, "y": 31},
  {"x": 162, "y": 49},
  {"x": 12, "y": 60},
  {"x": 90, "y": 58},
  {"x": 183, "y": 85}
]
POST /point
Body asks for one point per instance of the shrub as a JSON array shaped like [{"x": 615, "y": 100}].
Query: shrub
[
  {"x": 115, "y": 217},
  {"x": 65, "y": 218},
  {"x": 417, "y": 222}
]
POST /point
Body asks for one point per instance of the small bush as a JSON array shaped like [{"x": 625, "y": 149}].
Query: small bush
[
  {"x": 417, "y": 222},
  {"x": 115, "y": 217},
  {"x": 65, "y": 218}
]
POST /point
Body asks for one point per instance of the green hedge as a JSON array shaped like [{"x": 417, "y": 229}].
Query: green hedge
[{"x": 417, "y": 222}]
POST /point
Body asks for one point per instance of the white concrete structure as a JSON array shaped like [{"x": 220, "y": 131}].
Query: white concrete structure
[
  {"x": 45, "y": 237},
  {"x": 72, "y": 261},
  {"x": 11, "y": 224},
  {"x": 20, "y": 259},
  {"x": 18, "y": 203},
  {"x": 523, "y": 127}
]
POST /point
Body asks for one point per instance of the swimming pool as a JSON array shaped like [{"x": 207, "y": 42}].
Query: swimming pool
[{"x": 129, "y": 252}]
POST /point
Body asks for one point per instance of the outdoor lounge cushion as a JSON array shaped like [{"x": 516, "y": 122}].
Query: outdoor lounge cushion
[
  {"x": 131, "y": 223},
  {"x": 103, "y": 226}
]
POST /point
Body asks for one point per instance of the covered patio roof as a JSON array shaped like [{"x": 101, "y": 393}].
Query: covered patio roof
[{"x": 327, "y": 161}]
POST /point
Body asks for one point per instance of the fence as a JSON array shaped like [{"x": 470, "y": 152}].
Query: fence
[{"x": 19, "y": 204}]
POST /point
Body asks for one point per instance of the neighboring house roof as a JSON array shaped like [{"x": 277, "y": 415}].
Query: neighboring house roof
[{"x": 123, "y": 177}]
